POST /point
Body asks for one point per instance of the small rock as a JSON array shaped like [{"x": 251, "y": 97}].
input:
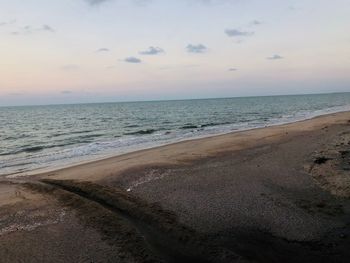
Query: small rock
[
  {"x": 321, "y": 204},
  {"x": 344, "y": 153},
  {"x": 321, "y": 160}
]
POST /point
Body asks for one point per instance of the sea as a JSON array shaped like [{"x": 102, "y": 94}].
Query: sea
[{"x": 39, "y": 138}]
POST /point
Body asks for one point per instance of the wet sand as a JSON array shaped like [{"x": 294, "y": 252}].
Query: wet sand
[{"x": 277, "y": 194}]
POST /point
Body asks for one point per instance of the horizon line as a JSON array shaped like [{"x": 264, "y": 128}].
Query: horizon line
[{"x": 164, "y": 100}]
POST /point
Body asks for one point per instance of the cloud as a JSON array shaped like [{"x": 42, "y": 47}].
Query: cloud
[
  {"x": 232, "y": 69},
  {"x": 27, "y": 30},
  {"x": 275, "y": 57},
  {"x": 132, "y": 60},
  {"x": 152, "y": 51},
  {"x": 255, "y": 23},
  {"x": 103, "y": 49},
  {"x": 238, "y": 33},
  {"x": 6, "y": 23},
  {"x": 47, "y": 28},
  {"x": 200, "y": 48},
  {"x": 66, "y": 92},
  {"x": 95, "y": 2}
]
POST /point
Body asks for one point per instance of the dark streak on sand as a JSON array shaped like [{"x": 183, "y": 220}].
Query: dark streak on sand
[{"x": 146, "y": 231}]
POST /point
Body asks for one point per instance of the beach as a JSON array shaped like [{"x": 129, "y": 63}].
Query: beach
[{"x": 273, "y": 194}]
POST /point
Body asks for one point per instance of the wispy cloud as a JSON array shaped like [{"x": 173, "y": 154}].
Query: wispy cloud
[
  {"x": 152, "y": 51},
  {"x": 66, "y": 92},
  {"x": 275, "y": 57},
  {"x": 27, "y": 30},
  {"x": 232, "y": 69},
  {"x": 255, "y": 23},
  {"x": 96, "y": 2},
  {"x": 200, "y": 48},
  {"x": 6, "y": 23},
  {"x": 103, "y": 49},
  {"x": 47, "y": 28},
  {"x": 132, "y": 60},
  {"x": 238, "y": 33}
]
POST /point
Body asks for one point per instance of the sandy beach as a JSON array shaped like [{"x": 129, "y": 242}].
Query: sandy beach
[{"x": 275, "y": 194}]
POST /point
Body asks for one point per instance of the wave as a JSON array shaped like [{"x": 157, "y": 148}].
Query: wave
[
  {"x": 69, "y": 133},
  {"x": 29, "y": 149},
  {"x": 210, "y": 124},
  {"x": 33, "y": 149},
  {"x": 88, "y": 136},
  {"x": 15, "y": 165},
  {"x": 141, "y": 132},
  {"x": 7, "y": 153},
  {"x": 189, "y": 126},
  {"x": 16, "y": 137},
  {"x": 214, "y": 124}
]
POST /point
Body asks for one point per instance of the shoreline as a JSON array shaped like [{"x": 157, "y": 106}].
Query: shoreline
[
  {"x": 134, "y": 149},
  {"x": 214, "y": 148}
]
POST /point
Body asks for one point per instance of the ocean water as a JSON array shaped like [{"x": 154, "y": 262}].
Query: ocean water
[{"x": 48, "y": 137}]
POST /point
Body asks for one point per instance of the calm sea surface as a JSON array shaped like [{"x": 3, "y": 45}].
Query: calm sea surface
[{"x": 40, "y": 137}]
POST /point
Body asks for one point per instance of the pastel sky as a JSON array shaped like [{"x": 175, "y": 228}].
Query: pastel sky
[{"x": 68, "y": 51}]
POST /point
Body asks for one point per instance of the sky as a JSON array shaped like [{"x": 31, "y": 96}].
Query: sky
[{"x": 79, "y": 51}]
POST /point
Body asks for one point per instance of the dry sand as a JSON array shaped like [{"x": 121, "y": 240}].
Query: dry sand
[{"x": 277, "y": 194}]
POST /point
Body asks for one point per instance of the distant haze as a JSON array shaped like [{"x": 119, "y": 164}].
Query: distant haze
[{"x": 73, "y": 51}]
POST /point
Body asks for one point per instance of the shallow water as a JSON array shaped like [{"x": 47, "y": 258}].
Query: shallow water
[{"x": 37, "y": 137}]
